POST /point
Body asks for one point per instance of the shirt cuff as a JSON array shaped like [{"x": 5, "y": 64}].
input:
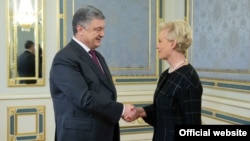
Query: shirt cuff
[{"x": 123, "y": 110}]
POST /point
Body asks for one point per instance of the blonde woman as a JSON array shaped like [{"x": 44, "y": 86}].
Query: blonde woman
[{"x": 177, "y": 98}]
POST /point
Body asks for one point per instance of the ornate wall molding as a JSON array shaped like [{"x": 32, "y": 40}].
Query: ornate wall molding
[
  {"x": 129, "y": 45},
  {"x": 220, "y": 50},
  {"x": 26, "y": 123}
]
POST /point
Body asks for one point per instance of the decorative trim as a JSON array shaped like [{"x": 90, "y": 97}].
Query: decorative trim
[
  {"x": 223, "y": 116},
  {"x": 136, "y": 130},
  {"x": 227, "y": 85},
  {"x": 36, "y": 113},
  {"x": 14, "y": 40},
  {"x": 135, "y": 80}
]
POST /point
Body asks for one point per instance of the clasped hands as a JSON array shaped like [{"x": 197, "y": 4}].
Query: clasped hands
[{"x": 131, "y": 112}]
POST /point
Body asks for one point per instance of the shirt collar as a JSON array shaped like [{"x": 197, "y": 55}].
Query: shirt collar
[{"x": 81, "y": 44}]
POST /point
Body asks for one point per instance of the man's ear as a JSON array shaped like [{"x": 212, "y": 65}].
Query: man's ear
[{"x": 80, "y": 29}]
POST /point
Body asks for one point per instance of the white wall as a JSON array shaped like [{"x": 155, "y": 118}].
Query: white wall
[{"x": 21, "y": 97}]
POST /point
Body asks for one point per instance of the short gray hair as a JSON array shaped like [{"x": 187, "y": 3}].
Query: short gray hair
[{"x": 84, "y": 15}]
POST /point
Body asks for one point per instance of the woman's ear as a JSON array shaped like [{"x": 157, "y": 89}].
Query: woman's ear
[{"x": 173, "y": 44}]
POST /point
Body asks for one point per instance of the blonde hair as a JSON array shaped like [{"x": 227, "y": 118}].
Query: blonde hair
[{"x": 179, "y": 31}]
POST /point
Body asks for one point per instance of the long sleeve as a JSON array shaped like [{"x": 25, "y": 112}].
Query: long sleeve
[{"x": 150, "y": 119}]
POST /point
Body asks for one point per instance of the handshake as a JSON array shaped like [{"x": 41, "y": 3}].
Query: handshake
[{"x": 131, "y": 112}]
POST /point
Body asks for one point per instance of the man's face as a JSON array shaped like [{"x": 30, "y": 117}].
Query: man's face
[{"x": 93, "y": 33}]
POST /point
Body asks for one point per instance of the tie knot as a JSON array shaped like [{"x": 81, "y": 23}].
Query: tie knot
[{"x": 92, "y": 52}]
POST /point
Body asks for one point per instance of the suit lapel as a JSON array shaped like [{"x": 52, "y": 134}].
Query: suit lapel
[
  {"x": 161, "y": 81},
  {"x": 107, "y": 75},
  {"x": 106, "y": 80}
]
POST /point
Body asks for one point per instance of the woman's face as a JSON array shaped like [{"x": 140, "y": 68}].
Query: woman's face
[{"x": 164, "y": 45}]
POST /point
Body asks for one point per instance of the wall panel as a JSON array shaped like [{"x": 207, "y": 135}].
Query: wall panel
[
  {"x": 129, "y": 45},
  {"x": 220, "y": 47}
]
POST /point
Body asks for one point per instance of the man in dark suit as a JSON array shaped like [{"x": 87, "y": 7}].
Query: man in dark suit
[
  {"x": 26, "y": 63},
  {"x": 83, "y": 94}
]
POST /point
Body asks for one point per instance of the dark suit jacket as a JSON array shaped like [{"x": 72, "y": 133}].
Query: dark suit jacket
[
  {"x": 84, "y": 98},
  {"x": 26, "y": 66}
]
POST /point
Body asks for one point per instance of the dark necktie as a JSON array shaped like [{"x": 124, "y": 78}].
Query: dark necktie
[{"x": 94, "y": 58}]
